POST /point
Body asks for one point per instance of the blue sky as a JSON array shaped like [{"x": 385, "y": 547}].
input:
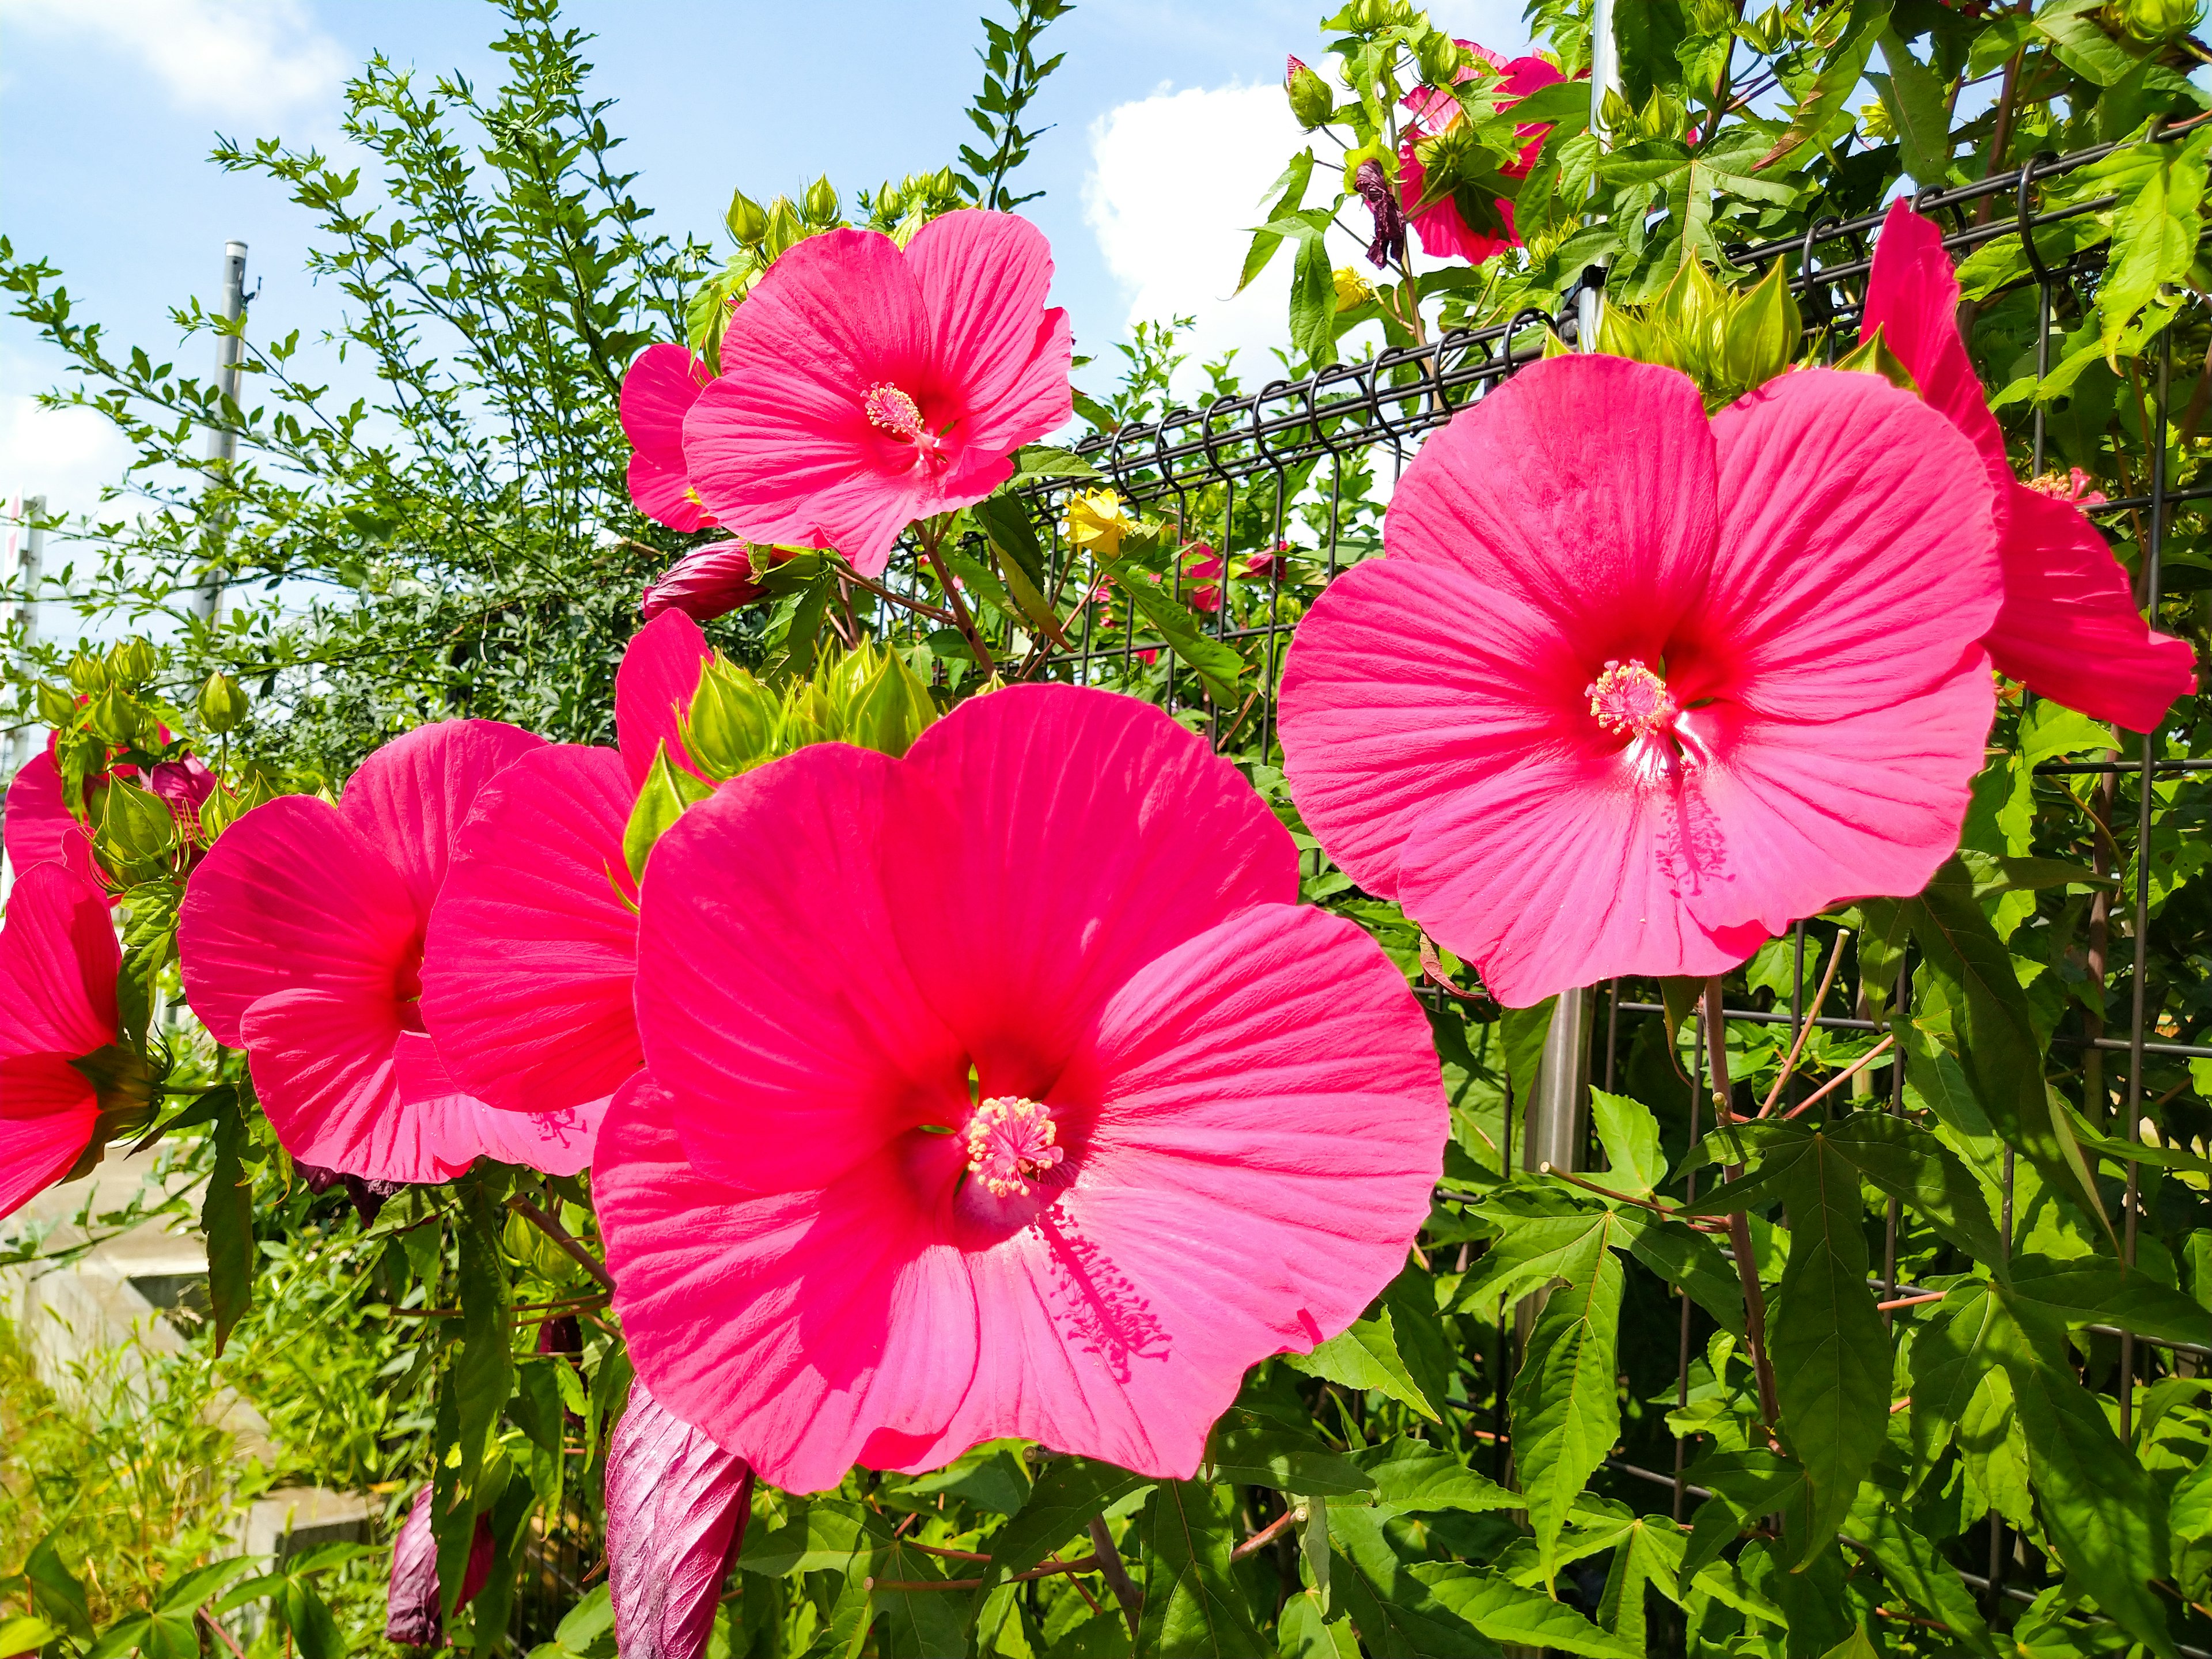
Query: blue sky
[{"x": 1167, "y": 123}]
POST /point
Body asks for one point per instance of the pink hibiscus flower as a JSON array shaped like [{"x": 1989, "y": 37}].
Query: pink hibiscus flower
[
  {"x": 412, "y": 1606},
  {"x": 663, "y": 383},
  {"x": 2069, "y": 628},
  {"x": 863, "y": 388},
  {"x": 1444, "y": 233},
  {"x": 1081, "y": 1116},
  {"x": 1202, "y": 568},
  {"x": 58, "y": 960},
  {"x": 38, "y": 826},
  {"x": 532, "y": 942},
  {"x": 301, "y": 943},
  {"x": 1477, "y": 725}
]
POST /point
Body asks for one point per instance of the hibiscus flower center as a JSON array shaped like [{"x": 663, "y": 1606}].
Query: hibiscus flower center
[
  {"x": 1011, "y": 1142},
  {"x": 1630, "y": 701},
  {"x": 890, "y": 408}
]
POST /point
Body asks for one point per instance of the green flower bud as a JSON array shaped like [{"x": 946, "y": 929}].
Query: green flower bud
[
  {"x": 784, "y": 229},
  {"x": 1759, "y": 338},
  {"x": 889, "y": 709},
  {"x": 808, "y": 716},
  {"x": 117, "y": 720},
  {"x": 88, "y": 674},
  {"x": 1441, "y": 58},
  {"x": 1310, "y": 102},
  {"x": 732, "y": 724},
  {"x": 135, "y": 823},
  {"x": 56, "y": 707},
  {"x": 668, "y": 790},
  {"x": 747, "y": 219},
  {"x": 131, "y": 662},
  {"x": 821, "y": 203},
  {"x": 2159, "y": 19},
  {"x": 222, "y": 703}
]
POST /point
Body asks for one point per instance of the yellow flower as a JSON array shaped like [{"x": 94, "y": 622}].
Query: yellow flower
[
  {"x": 1098, "y": 520},
  {"x": 1352, "y": 290}
]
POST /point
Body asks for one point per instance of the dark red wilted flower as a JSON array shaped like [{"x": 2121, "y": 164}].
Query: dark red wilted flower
[
  {"x": 1374, "y": 187},
  {"x": 411, "y": 1609},
  {"x": 677, "y": 1507}
]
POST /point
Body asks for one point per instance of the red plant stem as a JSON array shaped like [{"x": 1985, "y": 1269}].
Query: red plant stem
[
  {"x": 921, "y": 608},
  {"x": 1911, "y": 1301},
  {"x": 1746, "y": 1264},
  {"x": 1117, "y": 1575},
  {"x": 1844, "y": 1076},
  {"x": 562, "y": 1236},
  {"x": 961, "y": 619},
  {"x": 1796, "y": 1049},
  {"x": 1268, "y": 1534}
]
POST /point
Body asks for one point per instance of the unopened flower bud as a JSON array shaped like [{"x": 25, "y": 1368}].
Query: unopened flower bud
[
  {"x": 88, "y": 674},
  {"x": 222, "y": 703},
  {"x": 1441, "y": 58},
  {"x": 891, "y": 201},
  {"x": 57, "y": 708},
  {"x": 2158, "y": 19},
  {"x": 130, "y": 662},
  {"x": 747, "y": 219},
  {"x": 1097, "y": 520},
  {"x": 1309, "y": 94},
  {"x": 784, "y": 229},
  {"x": 821, "y": 203}
]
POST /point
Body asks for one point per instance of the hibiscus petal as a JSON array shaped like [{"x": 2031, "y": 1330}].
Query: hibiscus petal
[
  {"x": 410, "y": 796},
  {"x": 709, "y": 583},
  {"x": 2070, "y": 628},
  {"x": 676, "y": 1505},
  {"x": 1564, "y": 869},
  {"x": 1852, "y": 568},
  {"x": 791, "y": 1329},
  {"x": 57, "y": 965},
  {"x": 1800, "y": 832},
  {"x": 48, "y": 1112},
  {"x": 292, "y": 894},
  {"x": 412, "y": 1617},
  {"x": 792, "y": 1061},
  {"x": 662, "y": 384},
  {"x": 1407, "y": 681},
  {"x": 654, "y": 689},
  {"x": 1607, "y": 526},
  {"x": 324, "y": 1066},
  {"x": 1269, "y": 1122},
  {"x": 664, "y": 494},
  {"x": 531, "y": 952},
  {"x": 39, "y": 827},
  {"x": 1912, "y": 297},
  {"x": 984, "y": 277},
  {"x": 455, "y": 1128},
  {"x": 1042, "y": 853}
]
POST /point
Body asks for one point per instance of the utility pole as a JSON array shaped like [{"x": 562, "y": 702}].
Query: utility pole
[
  {"x": 1605, "y": 78},
  {"x": 30, "y": 544},
  {"x": 222, "y": 440}
]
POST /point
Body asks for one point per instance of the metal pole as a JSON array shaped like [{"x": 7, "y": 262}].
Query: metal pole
[
  {"x": 1605, "y": 77},
  {"x": 222, "y": 438},
  {"x": 30, "y": 566}
]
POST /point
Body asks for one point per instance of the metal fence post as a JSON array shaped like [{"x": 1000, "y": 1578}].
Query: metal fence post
[
  {"x": 222, "y": 438},
  {"x": 30, "y": 568}
]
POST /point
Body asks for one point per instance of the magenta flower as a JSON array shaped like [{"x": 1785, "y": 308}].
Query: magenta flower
[
  {"x": 677, "y": 1505},
  {"x": 302, "y": 942},
  {"x": 709, "y": 582},
  {"x": 39, "y": 827},
  {"x": 863, "y": 388},
  {"x": 663, "y": 383},
  {"x": 412, "y": 1616},
  {"x": 1001, "y": 1090},
  {"x": 58, "y": 960},
  {"x": 1633, "y": 690},
  {"x": 2069, "y": 628},
  {"x": 1202, "y": 566},
  {"x": 1444, "y": 233},
  {"x": 532, "y": 944}
]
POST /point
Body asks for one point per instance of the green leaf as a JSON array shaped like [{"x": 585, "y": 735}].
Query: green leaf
[
  {"x": 1217, "y": 664},
  {"x": 1818, "y": 109},
  {"x": 1651, "y": 1552},
  {"x": 56, "y": 1592},
  {"x": 1521, "y": 1032},
  {"x": 1505, "y": 1612},
  {"x": 24, "y": 1634},
  {"x": 191, "y": 1588},
  {"x": 1393, "y": 1611},
  {"x": 2084, "y": 47},
  {"x": 1918, "y": 108},
  {"x": 227, "y": 1220},
  {"x": 1997, "y": 1043},
  {"x": 1690, "y": 1261},
  {"x": 1915, "y": 1571},
  {"x": 2096, "y": 1290},
  {"x": 1312, "y": 303},
  {"x": 1366, "y": 1356},
  {"x": 149, "y": 943},
  {"x": 1193, "y": 1606},
  {"x": 483, "y": 1372},
  {"x": 1414, "y": 1477},
  {"x": 818, "y": 1534},
  {"x": 2096, "y": 1502},
  {"x": 1066, "y": 1495},
  {"x": 1046, "y": 461},
  {"x": 2156, "y": 224},
  {"x": 1565, "y": 1407},
  {"x": 1247, "y": 1449},
  {"x": 1630, "y": 1135}
]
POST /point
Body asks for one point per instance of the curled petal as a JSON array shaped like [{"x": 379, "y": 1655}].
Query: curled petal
[
  {"x": 411, "y": 1615},
  {"x": 677, "y": 1505},
  {"x": 709, "y": 583}
]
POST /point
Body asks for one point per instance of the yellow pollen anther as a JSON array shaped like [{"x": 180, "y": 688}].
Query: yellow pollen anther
[
  {"x": 1010, "y": 1138},
  {"x": 1629, "y": 699}
]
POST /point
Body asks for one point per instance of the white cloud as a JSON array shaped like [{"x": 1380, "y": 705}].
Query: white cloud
[
  {"x": 1173, "y": 194},
  {"x": 63, "y": 454},
  {"x": 244, "y": 61}
]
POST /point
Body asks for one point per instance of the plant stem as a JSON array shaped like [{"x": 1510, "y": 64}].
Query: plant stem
[
  {"x": 961, "y": 619},
  {"x": 562, "y": 1236},
  {"x": 1117, "y": 1575},
  {"x": 1746, "y": 1264}
]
